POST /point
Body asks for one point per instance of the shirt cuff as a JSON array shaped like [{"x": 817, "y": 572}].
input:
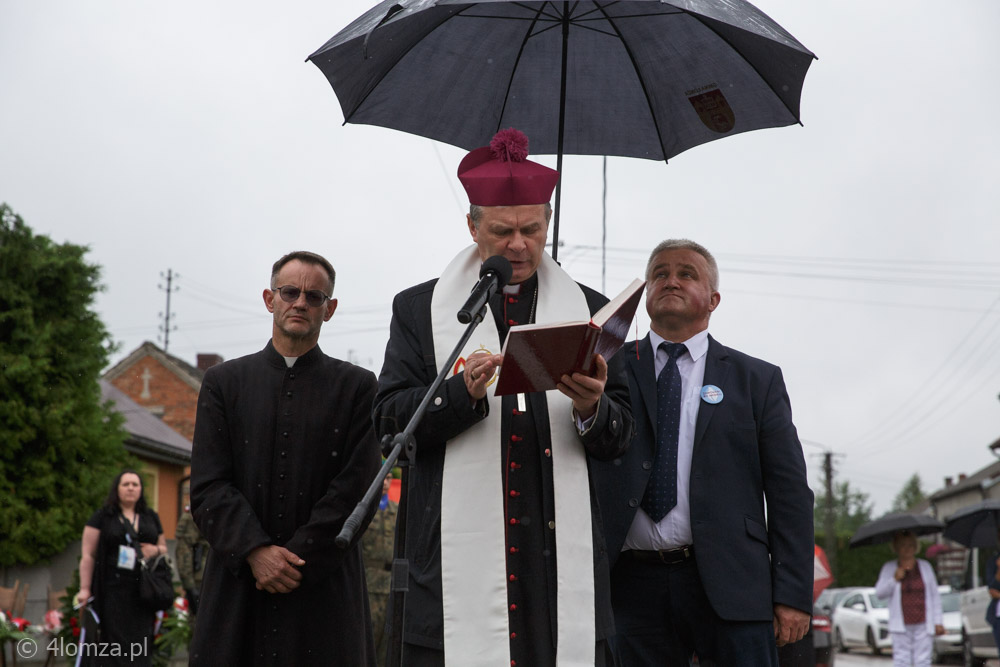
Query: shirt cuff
[{"x": 584, "y": 425}]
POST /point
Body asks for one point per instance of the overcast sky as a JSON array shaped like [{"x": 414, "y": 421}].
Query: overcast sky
[{"x": 858, "y": 251}]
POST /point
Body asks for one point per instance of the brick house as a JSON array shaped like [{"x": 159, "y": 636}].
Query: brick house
[
  {"x": 163, "y": 384},
  {"x": 165, "y": 456},
  {"x": 167, "y": 387}
]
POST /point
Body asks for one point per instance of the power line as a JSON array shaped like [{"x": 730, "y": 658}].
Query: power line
[{"x": 912, "y": 414}]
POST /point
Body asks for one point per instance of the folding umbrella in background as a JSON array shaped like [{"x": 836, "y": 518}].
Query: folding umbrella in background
[
  {"x": 633, "y": 78},
  {"x": 881, "y": 530},
  {"x": 822, "y": 577},
  {"x": 975, "y": 525}
]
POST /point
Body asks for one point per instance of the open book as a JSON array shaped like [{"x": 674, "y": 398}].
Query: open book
[{"x": 536, "y": 356}]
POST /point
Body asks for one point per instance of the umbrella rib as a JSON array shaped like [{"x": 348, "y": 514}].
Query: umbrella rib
[
  {"x": 750, "y": 64},
  {"x": 628, "y": 16},
  {"x": 638, "y": 73},
  {"x": 533, "y": 19},
  {"x": 528, "y": 8},
  {"x": 513, "y": 70}
]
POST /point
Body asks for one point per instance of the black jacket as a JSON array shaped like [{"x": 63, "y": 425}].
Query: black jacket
[
  {"x": 409, "y": 369},
  {"x": 282, "y": 456}
]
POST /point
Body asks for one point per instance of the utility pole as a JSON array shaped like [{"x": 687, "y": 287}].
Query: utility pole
[
  {"x": 829, "y": 536},
  {"x": 166, "y": 315}
]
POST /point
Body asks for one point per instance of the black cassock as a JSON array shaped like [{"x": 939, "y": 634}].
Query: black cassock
[
  {"x": 282, "y": 456},
  {"x": 408, "y": 370}
]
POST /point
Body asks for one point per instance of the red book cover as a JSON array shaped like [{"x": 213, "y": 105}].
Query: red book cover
[{"x": 536, "y": 356}]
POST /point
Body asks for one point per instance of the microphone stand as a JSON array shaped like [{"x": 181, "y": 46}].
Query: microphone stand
[{"x": 402, "y": 443}]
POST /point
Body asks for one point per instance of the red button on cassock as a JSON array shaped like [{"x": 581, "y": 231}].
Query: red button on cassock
[
  {"x": 513, "y": 607},
  {"x": 513, "y": 635},
  {"x": 516, "y": 438},
  {"x": 514, "y": 522},
  {"x": 514, "y": 550},
  {"x": 513, "y": 577},
  {"x": 514, "y": 494}
]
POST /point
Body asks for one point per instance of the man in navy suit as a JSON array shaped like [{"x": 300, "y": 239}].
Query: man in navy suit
[{"x": 698, "y": 568}]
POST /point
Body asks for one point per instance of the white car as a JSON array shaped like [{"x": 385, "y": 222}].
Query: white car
[
  {"x": 861, "y": 619},
  {"x": 950, "y": 643}
]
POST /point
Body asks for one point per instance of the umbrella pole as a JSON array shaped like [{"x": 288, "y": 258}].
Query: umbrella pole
[{"x": 562, "y": 127}]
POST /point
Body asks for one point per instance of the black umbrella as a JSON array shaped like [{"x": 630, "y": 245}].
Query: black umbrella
[
  {"x": 882, "y": 530},
  {"x": 975, "y": 525},
  {"x": 635, "y": 78}
]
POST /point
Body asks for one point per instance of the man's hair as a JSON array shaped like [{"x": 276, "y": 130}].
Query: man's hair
[
  {"x": 476, "y": 213},
  {"x": 308, "y": 258},
  {"x": 685, "y": 244}
]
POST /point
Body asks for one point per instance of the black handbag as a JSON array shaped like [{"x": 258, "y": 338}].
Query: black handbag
[
  {"x": 156, "y": 580},
  {"x": 156, "y": 585}
]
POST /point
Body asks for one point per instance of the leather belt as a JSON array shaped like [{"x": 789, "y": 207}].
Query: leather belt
[{"x": 665, "y": 556}]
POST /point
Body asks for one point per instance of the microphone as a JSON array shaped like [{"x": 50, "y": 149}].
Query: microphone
[{"x": 494, "y": 274}]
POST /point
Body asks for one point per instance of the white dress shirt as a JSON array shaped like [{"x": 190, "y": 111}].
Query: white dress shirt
[{"x": 674, "y": 529}]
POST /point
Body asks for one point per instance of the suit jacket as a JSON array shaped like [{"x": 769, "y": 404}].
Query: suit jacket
[
  {"x": 745, "y": 450},
  {"x": 409, "y": 368}
]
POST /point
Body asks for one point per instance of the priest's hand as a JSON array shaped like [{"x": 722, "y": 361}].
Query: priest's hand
[
  {"x": 584, "y": 390},
  {"x": 479, "y": 369},
  {"x": 790, "y": 624},
  {"x": 275, "y": 569}
]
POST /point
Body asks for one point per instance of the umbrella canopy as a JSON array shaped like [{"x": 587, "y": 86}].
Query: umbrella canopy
[
  {"x": 822, "y": 577},
  {"x": 975, "y": 525},
  {"x": 634, "y": 78},
  {"x": 882, "y": 530}
]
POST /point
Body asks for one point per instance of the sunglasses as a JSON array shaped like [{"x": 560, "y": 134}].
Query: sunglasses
[{"x": 290, "y": 294}]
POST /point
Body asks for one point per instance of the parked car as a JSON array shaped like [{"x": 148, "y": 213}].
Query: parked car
[
  {"x": 950, "y": 643},
  {"x": 861, "y": 620},
  {"x": 977, "y": 635},
  {"x": 831, "y": 597},
  {"x": 822, "y": 636}
]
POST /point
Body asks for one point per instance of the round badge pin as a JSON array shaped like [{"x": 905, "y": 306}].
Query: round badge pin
[{"x": 711, "y": 394}]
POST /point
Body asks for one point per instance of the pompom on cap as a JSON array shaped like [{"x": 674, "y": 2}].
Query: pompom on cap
[
  {"x": 501, "y": 175},
  {"x": 509, "y": 145}
]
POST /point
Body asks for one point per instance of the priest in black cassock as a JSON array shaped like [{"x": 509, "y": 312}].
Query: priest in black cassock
[
  {"x": 507, "y": 561},
  {"x": 283, "y": 451}
]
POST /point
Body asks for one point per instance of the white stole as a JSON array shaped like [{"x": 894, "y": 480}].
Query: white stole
[{"x": 473, "y": 549}]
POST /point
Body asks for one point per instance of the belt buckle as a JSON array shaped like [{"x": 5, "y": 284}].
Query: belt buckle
[{"x": 676, "y": 555}]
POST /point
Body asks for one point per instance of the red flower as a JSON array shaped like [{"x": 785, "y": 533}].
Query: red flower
[
  {"x": 20, "y": 623},
  {"x": 76, "y": 632}
]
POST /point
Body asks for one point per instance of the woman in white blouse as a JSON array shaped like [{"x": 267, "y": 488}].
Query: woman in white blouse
[{"x": 909, "y": 585}]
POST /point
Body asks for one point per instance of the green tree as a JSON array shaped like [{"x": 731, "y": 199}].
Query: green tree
[
  {"x": 851, "y": 508},
  {"x": 59, "y": 445},
  {"x": 911, "y": 494}
]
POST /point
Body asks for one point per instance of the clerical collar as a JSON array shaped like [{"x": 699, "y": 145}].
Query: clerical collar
[
  {"x": 290, "y": 361},
  {"x": 529, "y": 284}
]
